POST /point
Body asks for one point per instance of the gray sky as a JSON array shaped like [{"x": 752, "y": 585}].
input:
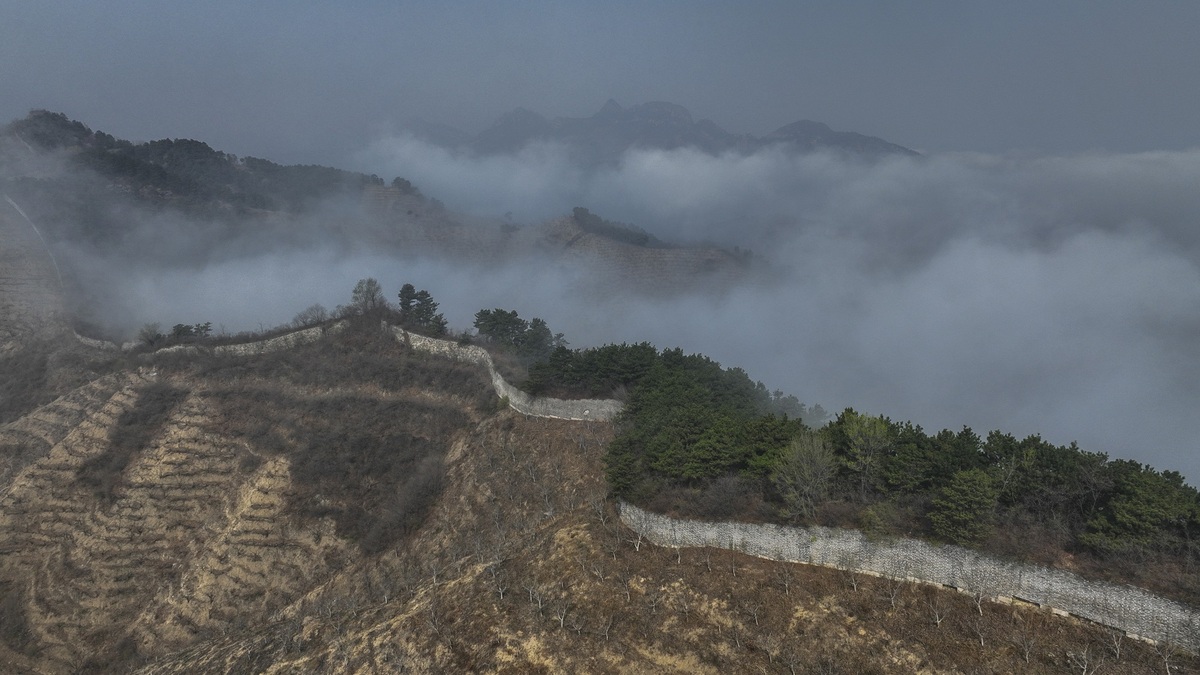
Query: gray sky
[{"x": 304, "y": 81}]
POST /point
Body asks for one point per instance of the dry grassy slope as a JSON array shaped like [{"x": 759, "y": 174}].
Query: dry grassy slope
[
  {"x": 200, "y": 561},
  {"x": 33, "y": 435},
  {"x": 523, "y": 568},
  {"x": 205, "y": 532},
  {"x": 179, "y": 550}
]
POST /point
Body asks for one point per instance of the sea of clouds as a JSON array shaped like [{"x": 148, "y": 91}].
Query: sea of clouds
[{"x": 1049, "y": 295}]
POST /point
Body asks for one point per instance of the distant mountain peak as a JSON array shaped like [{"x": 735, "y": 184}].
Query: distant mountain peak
[
  {"x": 661, "y": 111},
  {"x": 521, "y": 114},
  {"x": 609, "y": 110},
  {"x": 436, "y": 133},
  {"x": 807, "y": 135},
  {"x": 613, "y": 130},
  {"x": 805, "y": 126},
  {"x": 514, "y": 130}
]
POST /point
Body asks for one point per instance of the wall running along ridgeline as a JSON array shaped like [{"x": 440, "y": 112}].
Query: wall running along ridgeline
[
  {"x": 1133, "y": 610},
  {"x": 1139, "y": 613},
  {"x": 589, "y": 410},
  {"x": 281, "y": 342}
]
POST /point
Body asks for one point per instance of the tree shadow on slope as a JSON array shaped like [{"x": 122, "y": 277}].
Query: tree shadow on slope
[
  {"x": 364, "y": 423},
  {"x": 133, "y": 432}
]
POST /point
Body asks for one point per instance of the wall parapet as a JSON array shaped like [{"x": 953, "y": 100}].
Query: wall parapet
[
  {"x": 1133, "y": 610},
  {"x": 582, "y": 410},
  {"x": 275, "y": 344}
]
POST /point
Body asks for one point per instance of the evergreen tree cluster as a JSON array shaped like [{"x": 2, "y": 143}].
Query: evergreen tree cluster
[
  {"x": 591, "y": 373},
  {"x": 531, "y": 339},
  {"x": 691, "y": 429},
  {"x": 417, "y": 310}
]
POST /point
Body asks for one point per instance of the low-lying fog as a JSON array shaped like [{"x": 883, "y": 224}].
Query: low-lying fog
[{"x": 1051, "y": 295}]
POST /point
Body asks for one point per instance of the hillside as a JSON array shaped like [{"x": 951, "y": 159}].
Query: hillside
[
  {"x": 198, "y": 494},
  {"x": 352, "y": 506}
]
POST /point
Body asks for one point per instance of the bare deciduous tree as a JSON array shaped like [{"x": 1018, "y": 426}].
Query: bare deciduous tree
[
  {"x": 753, "y": 609},
  {"x": 1027, "y": 630},
  {"x": 938, "y": 611},
  {"x": 785, "y": 576},
  {"x": 654, "y": 598},
  {"x": 892, "y": 589},
  {"x": 561, "y": 609},
  {"x": 599, "y": 508},
  {"x": 1115, "y": 641},
  {"x": 1085, "y": 661},
  {"x": 536, "y": 599},
  {"x": 606, "y": 626},
  {"x": 499, "y": 583},
  {"x": 1167, "y": 652},
  {"x": 624, "y": 577}
]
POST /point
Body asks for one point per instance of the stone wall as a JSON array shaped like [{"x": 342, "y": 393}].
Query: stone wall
[
  {"x": 1130, "y": 609},
  {"x": 97, "y": 344},
  {"x": 1133, "y": 610},
  {"x": 564, "y": 409},
  {"x": 580, "y": 410},
  {"x": 278, "y": 343}
]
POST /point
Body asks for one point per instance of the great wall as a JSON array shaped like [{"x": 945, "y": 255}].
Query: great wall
[
  {"x": 592, "y": 410},
  {"x": 1138, "y": 613}
]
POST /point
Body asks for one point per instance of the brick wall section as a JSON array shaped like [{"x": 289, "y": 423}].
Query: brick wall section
[
  {"x": 1133, "y": 610},
  {"x": 581, "y": 410},
  {"x": 278, "y": 343},
  {"x": 593, "y": 410}
]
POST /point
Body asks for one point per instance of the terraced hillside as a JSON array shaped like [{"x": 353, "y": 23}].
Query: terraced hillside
[
  {"x": 180, "y": 501},
  {"x": 350, "y": 505},
  {"x": 526, "y": 569}
]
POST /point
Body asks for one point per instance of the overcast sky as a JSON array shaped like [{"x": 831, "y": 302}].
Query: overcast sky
[{"x": 305, "y": 81}]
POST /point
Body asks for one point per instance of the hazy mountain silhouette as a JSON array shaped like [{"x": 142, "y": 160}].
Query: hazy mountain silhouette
[{"x": 608, "y": 134}]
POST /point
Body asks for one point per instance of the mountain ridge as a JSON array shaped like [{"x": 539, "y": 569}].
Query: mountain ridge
[
  {"x": 613, "y": 130},
  {"x": 520, "y": 564}
]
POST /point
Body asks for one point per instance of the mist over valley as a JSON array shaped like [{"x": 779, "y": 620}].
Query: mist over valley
[{"x": 1051, "y": 295}]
